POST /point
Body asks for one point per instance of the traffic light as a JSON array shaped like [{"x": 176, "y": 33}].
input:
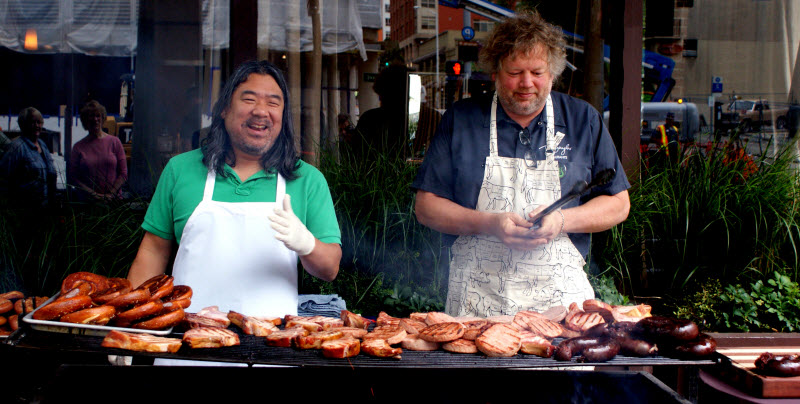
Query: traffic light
[
  {"x": 468, "y": 53},
  {"x": 453, "y": 67}
]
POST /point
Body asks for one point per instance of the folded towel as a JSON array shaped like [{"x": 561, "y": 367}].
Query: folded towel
[{"x": 320, "y": 305}]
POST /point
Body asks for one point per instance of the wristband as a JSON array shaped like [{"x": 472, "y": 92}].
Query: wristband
[{"x": 562, "y": 222}]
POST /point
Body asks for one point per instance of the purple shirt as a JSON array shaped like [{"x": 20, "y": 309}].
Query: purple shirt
[{"x": 98, "y": 163}]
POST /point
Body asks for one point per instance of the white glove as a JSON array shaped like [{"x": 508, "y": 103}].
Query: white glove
[{"x": 290, "y": 230}]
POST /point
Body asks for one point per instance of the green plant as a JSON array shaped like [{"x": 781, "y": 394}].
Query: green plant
[
  {"x": 382, "y": 242},
  {"x": 606, "y": 291},
  {"x": 404, "y": 300},
  {"x": 773, "y": 305},
  {"x": 778, "y": 302},
  {"x": 704, "y": 306},
  {"x": 46, "y": 245},
  {"x": 716, "y": 213}
]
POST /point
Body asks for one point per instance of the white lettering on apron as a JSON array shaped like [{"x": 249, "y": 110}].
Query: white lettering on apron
[{"x": 486, "y": 277}]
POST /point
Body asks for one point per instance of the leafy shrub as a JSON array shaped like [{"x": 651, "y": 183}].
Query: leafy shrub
[
  {"x": 709, "y": 216},
  {"x": 772, "y": 306},
  {"x": 404, "y": 300},
  {"x": 605, "y": 290},
  {"x": 382, "y": 242},
  {"x": 703, "y": 307},
  {"x": 46, "y": 245}
]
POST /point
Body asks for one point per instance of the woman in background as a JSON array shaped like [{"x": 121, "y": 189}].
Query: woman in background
[{"x": 97, "y": 165}]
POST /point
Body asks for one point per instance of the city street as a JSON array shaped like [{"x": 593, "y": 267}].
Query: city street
[{"x": 765, "y": 143}]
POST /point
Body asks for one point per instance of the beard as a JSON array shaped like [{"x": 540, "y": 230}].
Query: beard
[
  {"x": 251, "y": 146},
  {"x": 521, "y": 108},
  {"x": 253, "y": 149}
]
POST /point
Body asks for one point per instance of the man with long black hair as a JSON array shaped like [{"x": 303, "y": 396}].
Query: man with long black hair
[{"x": 243, "y": 207}]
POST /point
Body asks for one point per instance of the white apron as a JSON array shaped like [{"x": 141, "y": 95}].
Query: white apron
[
  {"x": 486, "y": 277},
  {"x": 230, "y": 258}
]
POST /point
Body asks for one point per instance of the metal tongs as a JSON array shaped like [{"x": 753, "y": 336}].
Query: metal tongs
[{"x": 580, "y": 188}]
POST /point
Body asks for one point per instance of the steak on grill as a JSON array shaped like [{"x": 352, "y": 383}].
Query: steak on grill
[
  {"x": 140, "y": 342},
  {"x": 210, "y": 337},
  {"x": 499, "y": 340}
]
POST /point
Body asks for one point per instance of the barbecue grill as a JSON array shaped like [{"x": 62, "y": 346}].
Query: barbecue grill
[
  {"x": 362, "y": 378},
  {"x": 253, "y": 350}
]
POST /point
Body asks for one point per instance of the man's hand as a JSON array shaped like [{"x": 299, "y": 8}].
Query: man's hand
[
  {"x": 518, "y": 233},
  {"x": 550, "y": 226},
  {"x": 512, "y": 230},
  {"x": 290, "y": 230}
]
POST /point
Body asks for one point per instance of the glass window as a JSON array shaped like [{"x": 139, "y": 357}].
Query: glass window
[
  {"x": 428, "y": 22},
  {"x": 483, "y": 25}
]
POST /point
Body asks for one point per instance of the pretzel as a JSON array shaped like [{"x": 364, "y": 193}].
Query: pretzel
[
  {"x": 118, "y": 287},
  {"x": 148, "y": 309},
  {"x": 159, "y": 286},
  {"x": 181, "y": 296},
  {"x": 60, "y": 307},
  {"x": 162, "y": 321},
  {"x": 132, "y": 298},
  {"x": 100, "y": 315},
  {"x": 97, "y": 284}
]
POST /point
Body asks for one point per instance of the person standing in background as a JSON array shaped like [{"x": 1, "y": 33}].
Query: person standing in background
[
  {"x": 97, "y": 166},
  {"x": 382, "y": 130},
  {"x": 27, "y": 172},
  {"x": 666, "y": 137}
]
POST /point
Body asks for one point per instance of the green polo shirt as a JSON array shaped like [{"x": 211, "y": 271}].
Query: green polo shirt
[{"x": 180, "y": 190}]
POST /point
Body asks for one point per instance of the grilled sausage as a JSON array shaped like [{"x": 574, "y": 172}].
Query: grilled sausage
[
  {"x": 781, "y": 366},
  {"x": 666, "y": 329},
  {"x": 702, "y": 346},
  {"x": 636, "y": 347},
  {"x": 599, "y": 330},
  {"x": 574, "y": 346},
  {"x": 604, "y": 351}
]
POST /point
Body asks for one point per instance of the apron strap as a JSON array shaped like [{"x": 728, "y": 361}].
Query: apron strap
[
  {"x": 493, "y": 127},
  {"x": 550, "y": 152},
  {"x": 208, "y": 191},
  {"x": 280, "y": 190}
]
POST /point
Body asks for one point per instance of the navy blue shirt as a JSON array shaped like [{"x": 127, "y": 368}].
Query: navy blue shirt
[
  {"x": 26, "y": 176},
  {"x": 454, "y": 163}
]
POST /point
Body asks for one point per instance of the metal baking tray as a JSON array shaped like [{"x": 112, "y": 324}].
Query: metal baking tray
[{"x": 81, "y": 329}]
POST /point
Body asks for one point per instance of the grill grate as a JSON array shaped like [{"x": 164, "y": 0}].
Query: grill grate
[{"x": 253, "y": 350}]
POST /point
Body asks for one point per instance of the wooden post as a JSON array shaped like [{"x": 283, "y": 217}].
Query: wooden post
[{"x": 625, "y": 29}]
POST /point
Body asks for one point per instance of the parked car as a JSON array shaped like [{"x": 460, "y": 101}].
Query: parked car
[
  {"x": 687, "y": 118},
  {"x": 753, "y": 114}
]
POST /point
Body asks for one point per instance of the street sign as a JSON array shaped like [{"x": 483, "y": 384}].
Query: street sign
[
  {"x": 716, "y": 84},
  {"x": 467, "y": 33},
  {"x": 370, "y": 77}
]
